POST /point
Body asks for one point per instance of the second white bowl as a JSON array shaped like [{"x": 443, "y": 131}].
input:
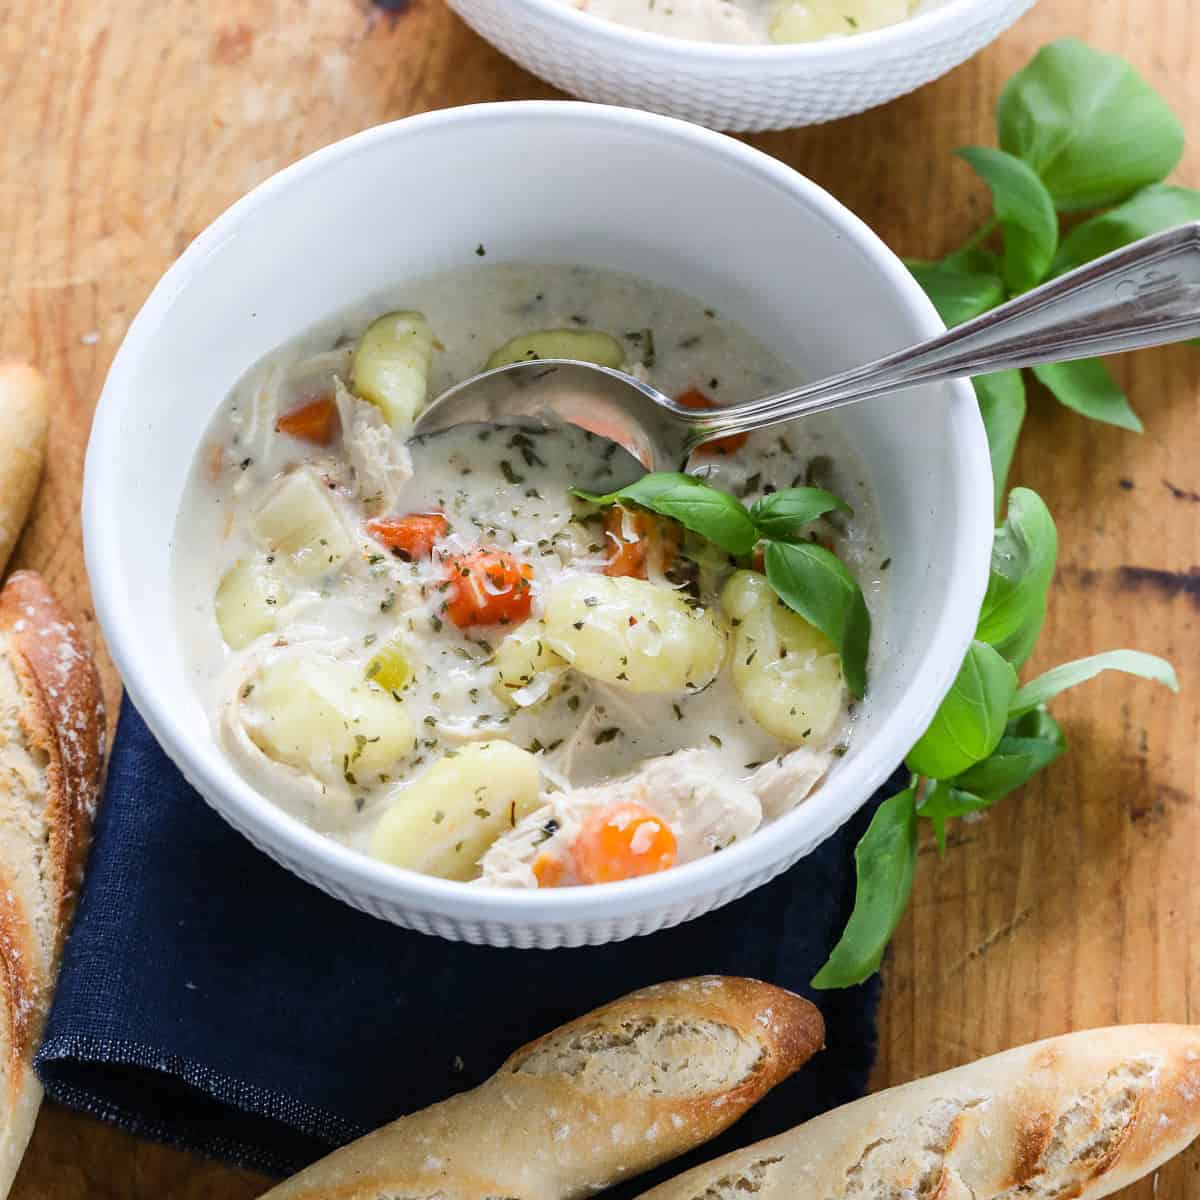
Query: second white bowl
[
  {"x": 736, "y": 87},
  {"x": 555, "y": 182}
]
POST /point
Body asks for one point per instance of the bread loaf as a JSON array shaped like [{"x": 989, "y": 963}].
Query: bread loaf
[
  {"x": 1079, "y": 1116},
  {"x": 614, "y": 1093},
  {"x": 23, "y": 424},
  {"x": 51, "y": 742}
]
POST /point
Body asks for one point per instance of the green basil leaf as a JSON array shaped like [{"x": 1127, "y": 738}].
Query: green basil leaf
[
  {"x": 816, "y": 584},
  {"x": 1069, "y": 675},
  {"x": 973, "y": 260},
  {"x": 885, "y": 861},
  {"x": 958, "y": 295},
  {"x": 970, "y": 722},
  {"x": 1154, "y": 209},
  {"x": 1020, "y": 644},
  {"x": 1087, "y": 386},
  {"x": 1013, "y": 763},
  {"x": 1001, "y": 398},
  {"x": 1024, "y": 552},
  {"x": 784, "y": 513},
  {"x": 1037, "y": 723},
  {"x": 705, "y": 510},
  {"x": 1088, "y": 124},
  {"x": 944, "y": 801},
  {"x": 1025, "y": 210}
]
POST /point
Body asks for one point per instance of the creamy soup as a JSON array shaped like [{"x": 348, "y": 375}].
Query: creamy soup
[
  {"x": 754, "y": 20},
  {"x": 437, "y": 653}
]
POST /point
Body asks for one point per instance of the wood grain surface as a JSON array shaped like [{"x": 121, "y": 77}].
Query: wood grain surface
[{"x": 127, "y": 126}]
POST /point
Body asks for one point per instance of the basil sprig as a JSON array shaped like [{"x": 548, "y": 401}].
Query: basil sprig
[
  {"x": 988, "y": 737},
  {"x": 806, "y": 577},
  {"x": 1078, "y": 130}
]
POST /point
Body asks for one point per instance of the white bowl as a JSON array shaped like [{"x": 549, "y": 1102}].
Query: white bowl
[
  {"x": 612, "y": 188},
  {"x": 739, "y": 87}
]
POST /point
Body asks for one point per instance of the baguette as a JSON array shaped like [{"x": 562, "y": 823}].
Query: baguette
[
  {"x": 611, "y": 1094},
  {"x": 24, "y": 419},
  {"x": 1079, "y": 1116},
  {"x": 51, "y": 742}
]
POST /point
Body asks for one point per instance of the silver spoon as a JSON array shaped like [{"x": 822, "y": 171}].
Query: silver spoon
[{"x": 1146, "y": 294}]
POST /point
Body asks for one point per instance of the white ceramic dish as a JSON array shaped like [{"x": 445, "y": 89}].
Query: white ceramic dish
[
  {"x": 738, "y": 87},
  {"x": 615, "y": 188}
]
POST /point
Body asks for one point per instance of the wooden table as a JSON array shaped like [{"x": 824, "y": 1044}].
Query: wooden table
[{"x": 129, "y": 125}]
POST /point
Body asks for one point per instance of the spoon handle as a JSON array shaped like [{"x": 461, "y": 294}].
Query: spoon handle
[{"x": 1146, "y": 294}]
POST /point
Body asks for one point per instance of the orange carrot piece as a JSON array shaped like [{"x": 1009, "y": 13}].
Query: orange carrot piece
[
  {"x": 548, "y": 870},
  {"x": 488, "y": 587},
  {"x": 410, "y": 537},
  {"x": 654, "y": 539},
  {"x": 313, "y": 420},
  {"x": 623, "y": 841},
  {"x": 695, "y": 398}
]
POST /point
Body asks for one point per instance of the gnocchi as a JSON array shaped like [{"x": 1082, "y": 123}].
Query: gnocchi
[
  {"x": 582, "y": 345},
  {"x": 639, "y": 635},
  {"x": 391, "y": 366},
  {"x": 321, "y": 715},
  {"x": 526, "y": 666},
  {"x": 786, "y": 672},
  {"x": 444, "y": 821},
  {"x": 247, "y": 602},
  {"x": 299, "y": 521}
]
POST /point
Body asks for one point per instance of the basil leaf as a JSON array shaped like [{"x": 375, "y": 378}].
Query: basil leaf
[
  {"x": 1037, "y": 723},
  {"x": 970, "y": 722},
  {"x": 705, "y": 510},
  {"x": 1025, "y": 210},
  {"x": 1153, "y": 210},
  {"x": 1013, "y": 763},
  {"x": 885, "y": 861},
  {"x": 958, "y": 295},
  {"x": 1069, "y": 675},
  {"x": 1024, "y": 552},
  {"x": 1019, "y": 645},
  {"x": 816, "y": 584},
  {"x": 784, "y": 513},
  {"x": 1001, "y": 397},
  {"x": 1087, "y": 386},
  {"x": 1088, "y": 124},
  {"x": 944, "y": 801}
]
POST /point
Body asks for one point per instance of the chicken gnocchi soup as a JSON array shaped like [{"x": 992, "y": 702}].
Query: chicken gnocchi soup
[
  {"x": 751, "y": 21},
  {"x": 455, "y": 654}
]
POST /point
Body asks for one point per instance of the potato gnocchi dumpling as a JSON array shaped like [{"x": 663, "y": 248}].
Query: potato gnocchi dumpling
[
  {"x": 526, "y": 666},
  {"x": 786, "y": 672},
  {"x": 582, "y": 345},
  {"x": 815, "y": 20},
  {"x": 391, "y": 366},
  {"x": 642, "y": 636},
  {"x": 248, "y": 599},
  {"x": 321, "y": 715},
  {"x": 299, "y": 521},
  {"x": 443, "y": 822}
]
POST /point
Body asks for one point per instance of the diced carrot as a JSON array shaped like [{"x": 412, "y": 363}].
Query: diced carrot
[
  {"x": 548, "y": 870},
  {"x": 313, "y": 420},
  {"x": 623, "y": 841},
  {"x": 410, "y": 537},
  {"x": 654, "y": 540},
  {"x": 695, "y": 398},
  {"x": 488, "y": 587}
]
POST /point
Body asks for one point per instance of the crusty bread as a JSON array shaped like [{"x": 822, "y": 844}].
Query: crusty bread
[
  {"x": 1073, "y": 1117},
  {"x": 51, "y": 742},
  {"x": 24, "y": 417},
  {"x": 628, "y": 1086}
]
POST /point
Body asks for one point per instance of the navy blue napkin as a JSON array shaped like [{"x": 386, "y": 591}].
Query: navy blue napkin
[{"x": 212, "y": 1000}]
